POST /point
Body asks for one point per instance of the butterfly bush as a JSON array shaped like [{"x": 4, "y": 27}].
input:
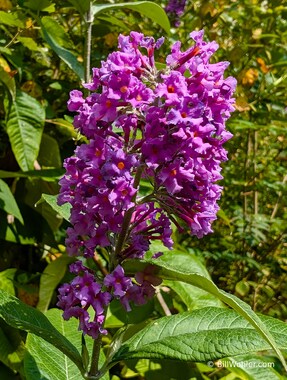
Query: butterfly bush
[{"x": 158, "y": 130}]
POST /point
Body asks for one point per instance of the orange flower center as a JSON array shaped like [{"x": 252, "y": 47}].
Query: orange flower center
[
  {"x": 121, "y": 165},
  {"x": 123, "y": 89},
  {"x": 173, "y": 172}
]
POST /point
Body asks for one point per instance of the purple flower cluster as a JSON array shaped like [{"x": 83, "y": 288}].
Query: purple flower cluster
[
  {"x": 175, "y": 9},
  {"x": 85, "y": 292},
  {"x": 81, "y": 294},
  {"x": 165, "y": 128}
]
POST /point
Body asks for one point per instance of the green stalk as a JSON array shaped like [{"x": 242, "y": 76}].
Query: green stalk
[
  {"x": 89, "y": 19},
  {"x": 94, "y": 369}
]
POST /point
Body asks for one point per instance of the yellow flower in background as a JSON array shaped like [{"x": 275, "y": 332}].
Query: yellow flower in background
[
  {"x": 250, "y": 76},
  {"x": 5, "y": 5}
]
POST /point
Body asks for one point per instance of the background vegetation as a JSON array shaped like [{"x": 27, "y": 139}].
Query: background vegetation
[{"x": 43, "y": 55}]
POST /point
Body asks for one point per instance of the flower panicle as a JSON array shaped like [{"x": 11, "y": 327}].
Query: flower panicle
[{"x": 164, "y": 129}]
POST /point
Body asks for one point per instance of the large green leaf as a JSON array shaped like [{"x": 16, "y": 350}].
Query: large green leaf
[
  {"x": 24, "y": 124},
  {"x": 50, "y": 279},
  {"x": 57, "y": 38},
  {"x": 203, "y": 335},
  {"x": 21, "y": 316},
  {"x": 146, "y": 8},
  {"x": 8, "y": 202},
  {"x": 45, "y": 362},
  {"x": 177, "y": 266}
]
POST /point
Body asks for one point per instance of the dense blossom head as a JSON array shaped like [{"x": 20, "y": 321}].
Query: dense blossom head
[{"x": 154, "y": 153}]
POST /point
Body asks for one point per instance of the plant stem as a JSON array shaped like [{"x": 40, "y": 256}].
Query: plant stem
[
  {"x": 162, "y": 302},
  {"x": 89, "y": 22},
  {"x": 128, "y": 214},
  {"x": 94, "y": 369}
]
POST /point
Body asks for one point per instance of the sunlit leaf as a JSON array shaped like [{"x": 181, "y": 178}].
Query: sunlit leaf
[
  {"x": 146, "y": 8},
  {"x": 203, "y": 335},
  {"x": 11, "y": 19},
  {"x": 176, "y": 267},
  {"x": 24, "y": 125},
  {"x": 6, "y": 280},
  {"x": 63, "y": 210}
]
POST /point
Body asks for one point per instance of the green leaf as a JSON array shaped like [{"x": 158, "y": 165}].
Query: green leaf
[
  {"x": 45, "y": 361},
  {"x": 115, "y": 21},
  {"x": 9, "y": 82},
  {"x": 8, "y": 202},
  {"x": 11, "y": 347},
  {"x": 145, "y": 8},
  {"x": 6, "y": 280},
  {"x": 24, "y": 124},
  {"x": 163, "y": 370},
  {"x": 11, "y": 19},
  {"x": 45, "y": 174},
  {"x": 203, "y": 335},
  {"x": 193, "y": 297},
  {"x": 40, "y": 5},
  {"x": 57, "y": 38},
  {"x": 63, "y": 211},
  {"x": 81, "y": 6},
  {"x": 176, "y": 267},
  {"x": 29, "y": 43},
  {"x": 21, "y": 316},
  {"x": 118, "y": 317},
  {"x": 49, "y": 154},
  {"x": 33, "y": 192},
  {"x": 65, "y": 127},
  {"x": 50, "y": 279}
]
